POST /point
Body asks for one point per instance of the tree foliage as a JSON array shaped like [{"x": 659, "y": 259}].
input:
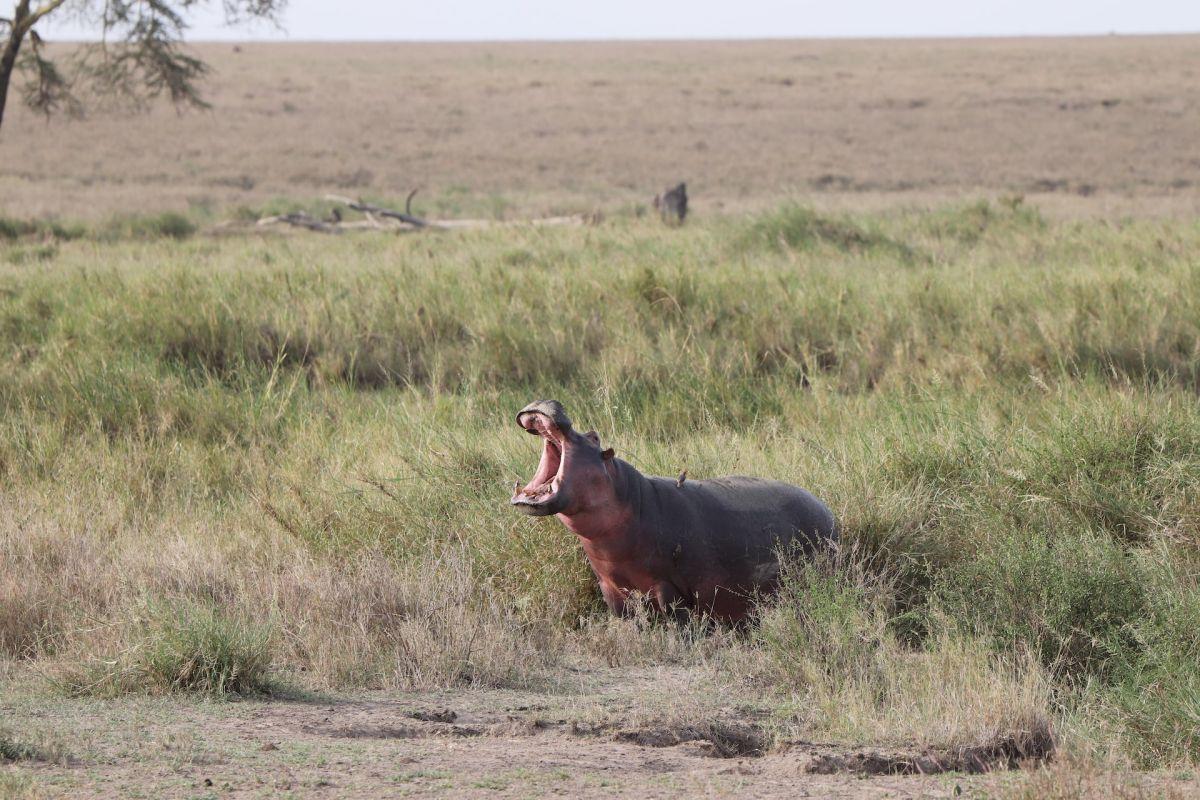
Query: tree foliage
[{"x": 139, "y": 55}]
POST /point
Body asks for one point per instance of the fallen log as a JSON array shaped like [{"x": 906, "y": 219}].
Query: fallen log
[
  {"x": 407, "y": 221},
  {"x": 367, "y": 208},
  {"x": 302, "y": 220}
]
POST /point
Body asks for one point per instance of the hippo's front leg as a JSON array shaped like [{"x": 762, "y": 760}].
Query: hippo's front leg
[
  {"x": 670, "y": 602},
  {"x": 664, "y": 598},
  {"x": 614, "y": 598}
]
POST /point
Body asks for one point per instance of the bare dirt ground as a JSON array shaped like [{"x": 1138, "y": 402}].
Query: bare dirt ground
[
  {"x": 461, "y": 744},
  {"x": 1102, "y": 125},
  {"x": 587, "y": 739}
]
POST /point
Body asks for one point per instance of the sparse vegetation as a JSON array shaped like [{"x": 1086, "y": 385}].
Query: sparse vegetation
[
  {"x": 15, "y": 786},
  {"x": 1073, "y": 779},
  {"x": 231, "y": 461}
]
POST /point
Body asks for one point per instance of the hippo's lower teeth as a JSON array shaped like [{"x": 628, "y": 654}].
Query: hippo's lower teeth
[{"x": 536, "y": 491}]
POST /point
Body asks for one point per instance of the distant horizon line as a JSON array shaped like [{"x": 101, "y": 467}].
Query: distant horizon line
[{"x": 685, "y": 39}]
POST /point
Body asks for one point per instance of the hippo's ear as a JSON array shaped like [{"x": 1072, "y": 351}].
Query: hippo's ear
[{"x": 607, "y": 454}]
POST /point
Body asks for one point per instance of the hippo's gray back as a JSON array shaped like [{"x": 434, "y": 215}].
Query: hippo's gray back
[{"x": 751, "y": 511}]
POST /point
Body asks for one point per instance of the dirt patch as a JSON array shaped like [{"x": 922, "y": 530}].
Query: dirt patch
[
  {"x": 717, "y": 738},
  {"x": 390, "y": 731},
  {"x": 596, "y": 741}
]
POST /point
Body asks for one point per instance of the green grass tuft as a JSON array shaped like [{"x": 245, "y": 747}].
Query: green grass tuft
[
  {"x": 795, "y": 227},
  {"x": 21, "y": 748},
  {"x": 13, "y": 750},
  {"x": 165, "y": 225},
  {"x": 13, "y": 229},
  {"x": 184, "y": 647}
]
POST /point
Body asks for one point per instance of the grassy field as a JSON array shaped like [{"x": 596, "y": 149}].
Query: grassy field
[
  {"x": 254, "y": 532},
  {"x": 1101, "y": 126},
  {"x": 279, "y": 465}
]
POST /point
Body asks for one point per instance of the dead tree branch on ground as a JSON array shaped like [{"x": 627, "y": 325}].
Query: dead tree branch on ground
[
  {"x": 368, "y": 208},
  {"x": 300, "y": 219},
  {"x": 407, "y": 221}
]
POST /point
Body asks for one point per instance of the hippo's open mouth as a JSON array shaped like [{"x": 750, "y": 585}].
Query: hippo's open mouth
[{"x": 544, "y": 494}]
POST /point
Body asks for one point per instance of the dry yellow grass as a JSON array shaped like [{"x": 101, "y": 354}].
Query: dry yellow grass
[{"x": 1083, "y": 126}]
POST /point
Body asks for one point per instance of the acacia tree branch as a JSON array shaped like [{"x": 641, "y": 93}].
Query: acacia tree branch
[
  {"x": 48, "y": 90},
  {"x": 42, "y": 11},
  {"x": 140, "y": 54}
]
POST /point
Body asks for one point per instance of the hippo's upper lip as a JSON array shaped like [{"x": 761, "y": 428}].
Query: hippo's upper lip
[
  {"x": 539, "y": 424},
  {"x": 551, "y": 410}
]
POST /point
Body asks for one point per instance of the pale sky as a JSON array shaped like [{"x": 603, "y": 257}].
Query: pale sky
[{"x": 391, "y": 20}]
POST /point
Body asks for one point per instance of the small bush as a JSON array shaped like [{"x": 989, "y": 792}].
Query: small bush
[
  {"x": 825, "y": 642},
  {"x": 795, "y": 227},
  {"x": 15, "y": 228},
  {"x": 1069, "y": 599},
  {"x": 1157, "y": 704},
  {"x": 13, "y": 750},
  {"x": 173, "y": 225},
  {"x": 1156, "y": 687},
  {"x": 14, "y": 747},
  {"x": 971, "y": 223},
  {"x": 167, "y": 225},
  {"x": 202, "y": 650},
  {"x": 18, "y": 786},
  {"x": 822, "y": 627},
  {"x": 1122, "y": 471},
  {"x": 12, "y": 229},
  {"x": 183, "y": 647},
  {"x": 435, "y": 623}
]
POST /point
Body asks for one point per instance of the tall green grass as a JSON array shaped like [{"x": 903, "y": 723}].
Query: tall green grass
[{"x": 1001, "y": 410}]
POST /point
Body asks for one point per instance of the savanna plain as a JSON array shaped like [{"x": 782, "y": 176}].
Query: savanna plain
[{"x": 254, "y": 534}]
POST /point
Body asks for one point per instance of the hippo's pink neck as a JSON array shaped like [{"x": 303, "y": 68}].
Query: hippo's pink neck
[
  {"x": 605, "y": 524},
  {"x": 611, "y": 531},
  {"x": 609, "y": 522},
  {"x": 609, "y": 542}
]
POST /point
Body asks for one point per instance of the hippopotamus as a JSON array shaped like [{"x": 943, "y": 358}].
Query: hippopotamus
[{"x": 688, "y": 546}]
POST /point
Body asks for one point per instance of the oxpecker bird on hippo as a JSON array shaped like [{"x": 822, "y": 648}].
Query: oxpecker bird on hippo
[{"x": 705, "y": 546}]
